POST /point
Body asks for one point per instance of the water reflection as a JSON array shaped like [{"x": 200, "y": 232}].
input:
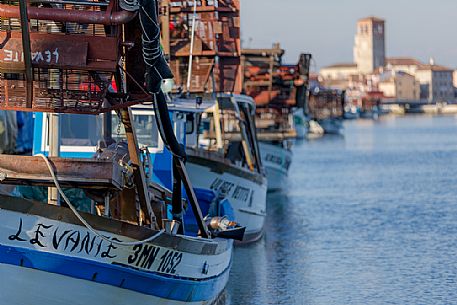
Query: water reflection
[{"x": 368, "y": 219}]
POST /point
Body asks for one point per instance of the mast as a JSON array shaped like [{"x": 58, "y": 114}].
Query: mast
[
  {"x": 165, "y": 22},
  {"x": 191, "y": 52},
  {"x": 54, "y": 151},
  {"x": 26, "y": 51}
]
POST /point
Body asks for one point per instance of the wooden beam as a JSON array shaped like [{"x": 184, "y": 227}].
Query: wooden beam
[
  {"x": 139, "y": 175},
  {"x": 75, "y": 173}
]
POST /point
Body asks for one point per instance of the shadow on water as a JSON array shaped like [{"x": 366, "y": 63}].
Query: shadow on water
[{"x": 370, "y": 218}]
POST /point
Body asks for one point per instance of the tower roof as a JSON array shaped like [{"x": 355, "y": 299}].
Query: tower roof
[{"x": 372, "y": 19}]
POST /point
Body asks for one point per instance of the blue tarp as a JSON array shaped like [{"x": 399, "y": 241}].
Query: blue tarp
[{"x": 25, "y": 125}]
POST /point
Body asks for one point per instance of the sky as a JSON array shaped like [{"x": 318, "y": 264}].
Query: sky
[{"x": 422, "y": 29}]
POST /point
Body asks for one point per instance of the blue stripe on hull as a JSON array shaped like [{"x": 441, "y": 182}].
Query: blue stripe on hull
[{"x": 122, "y": 277}]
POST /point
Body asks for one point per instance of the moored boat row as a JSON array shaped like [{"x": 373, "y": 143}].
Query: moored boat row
[
  {"x": 109, "y": 217},
  {"x": 139, "y": 185}
]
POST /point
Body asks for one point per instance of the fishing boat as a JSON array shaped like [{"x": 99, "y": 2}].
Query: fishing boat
[
  {"x": 83, "y": 231},
  {"x": 281, "y": 95},
  {"x": 277, "y": 158},
  {"x": 301, "y": 124},
  {"x": 223, "y": 156},
  {"x": 315, "y": 130},
  {"x": 332, "y": 126},
  {"x": 221, "y": 145},
  {"x": 326, "y": 108},
  {"x": 276, "y": 133}
]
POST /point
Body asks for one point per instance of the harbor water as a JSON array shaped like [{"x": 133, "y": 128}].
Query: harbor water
[{"x": 368, "y": 218}]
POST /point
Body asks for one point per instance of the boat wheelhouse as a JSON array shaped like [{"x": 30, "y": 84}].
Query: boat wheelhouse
[{"x": 223, "y": 156}]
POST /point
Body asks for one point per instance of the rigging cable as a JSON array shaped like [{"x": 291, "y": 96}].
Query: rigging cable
[{"x": 84, "y": 222}]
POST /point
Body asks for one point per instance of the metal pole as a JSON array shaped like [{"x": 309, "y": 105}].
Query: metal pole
[
  {"x": 191, "y": 54},
  {"x": 165, "y": 21},
  {"x": 181, "y": 168},
  {"x": 27, "y": 51},
  {"x": 54, "y": 151},
  {"x": 107, "y": 128}
]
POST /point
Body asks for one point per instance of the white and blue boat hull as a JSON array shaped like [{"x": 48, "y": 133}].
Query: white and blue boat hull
[
  {"x": 276, "y": 160},
  {"x": 45, "y": 261},
  {"x": 246, "y": 191}
]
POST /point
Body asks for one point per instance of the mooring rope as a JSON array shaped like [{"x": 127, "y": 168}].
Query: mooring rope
[{"x": 84, "y": 222}]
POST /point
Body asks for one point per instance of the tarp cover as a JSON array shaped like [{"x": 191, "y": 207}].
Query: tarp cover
[{"x": 8, "y": 132}]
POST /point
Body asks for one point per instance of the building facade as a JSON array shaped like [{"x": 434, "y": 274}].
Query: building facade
[
  {"x": 436, "y": 83},
  {"x": 369, "y": 46},
  {"x": 400, "y": 86},
  {"x": 403, "y": 64},
  {"x": 339, "y": 71}
]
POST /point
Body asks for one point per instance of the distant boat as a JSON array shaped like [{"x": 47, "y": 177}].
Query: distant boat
[
  {"x": 315, "y": 130},
  {"x": 277, "y": 158},
  {"x": 300, "y": 124},
  {"x": 372, "y": 113},
  {"x": 332, "y": 126},
  {"x": 326, "y": 107},
  {"x": 351, "y": 113}
]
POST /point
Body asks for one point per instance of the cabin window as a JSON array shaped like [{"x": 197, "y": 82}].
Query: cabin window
[
  {"x": 78, "y": 133},
  {"x": 190, "y": 124},
  {"x": 145, "y": 127},
  {"x": 80, "y": 130}
]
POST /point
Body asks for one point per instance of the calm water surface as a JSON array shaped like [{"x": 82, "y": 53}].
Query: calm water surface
[{"x": 370, "y": 218}]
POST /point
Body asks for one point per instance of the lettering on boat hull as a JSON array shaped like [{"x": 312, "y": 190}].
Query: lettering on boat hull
[{"x": 46, "y": 235}]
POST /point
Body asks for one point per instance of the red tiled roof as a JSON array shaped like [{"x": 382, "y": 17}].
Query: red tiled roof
[
  {"x": 402, "y": 61},
  {"x": 435, "y": 68},
  {"x": 342, "y": 65}
]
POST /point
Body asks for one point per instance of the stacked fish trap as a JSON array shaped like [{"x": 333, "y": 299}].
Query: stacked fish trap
[
  {"x": 325, "y": 104},
  {"x": 62, "y": 56},
  {"x": 215, "y": 47},
  {"x": 270, "y": 82}
]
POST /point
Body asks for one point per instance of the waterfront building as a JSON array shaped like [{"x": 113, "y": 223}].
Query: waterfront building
[
  {"x": 400, "y": 86},
  {"x": 402, "y": 78},
  {"x": 339, "y": 71},
  {"x": 436, "y": 83},
  {"x": 454, "y": 76},
  {"x": 404, "y": 64},
  {"x": 369, "y": 47}
]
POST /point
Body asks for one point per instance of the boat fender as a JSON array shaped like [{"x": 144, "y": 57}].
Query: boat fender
[{"x": 224, "y": 228}]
